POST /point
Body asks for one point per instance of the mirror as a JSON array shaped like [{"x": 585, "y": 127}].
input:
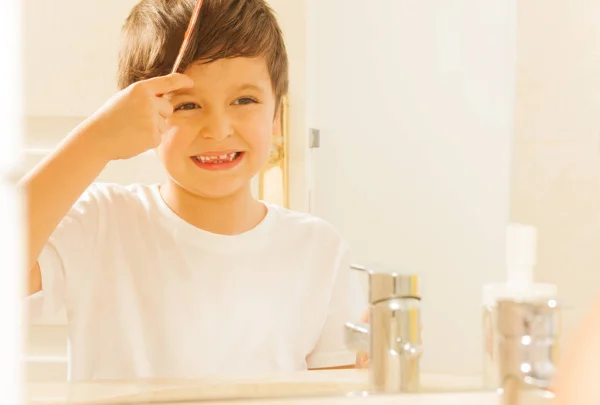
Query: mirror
[{"x": 440, "y": 123}]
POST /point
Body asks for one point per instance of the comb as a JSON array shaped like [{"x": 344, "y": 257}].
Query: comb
[{"x": 187, "y": 36}]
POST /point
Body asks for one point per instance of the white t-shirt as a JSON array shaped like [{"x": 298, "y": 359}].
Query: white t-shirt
[{"x": 148, "y": 295}]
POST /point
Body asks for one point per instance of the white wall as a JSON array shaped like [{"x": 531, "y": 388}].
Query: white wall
[
  {"x": 70, "y": 54},
  {"x": 415, "y": 105}
]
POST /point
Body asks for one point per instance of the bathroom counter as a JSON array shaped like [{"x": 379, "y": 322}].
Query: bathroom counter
[
  {"x": 331, "y": 386},
  {"x": 325, "y": 382}
]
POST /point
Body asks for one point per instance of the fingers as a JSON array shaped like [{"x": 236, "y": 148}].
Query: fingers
[
  {"x": 164, "y": 107},
  {"x": 166, "y": 84},
  {"x": 165, "y": 111},
  {"x": 161, "y": 125},
  {"x": 362, "y": 360}
]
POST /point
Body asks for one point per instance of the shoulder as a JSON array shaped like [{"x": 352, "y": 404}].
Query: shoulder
[
  {"x": 112, "y": 193},
  {"x": 309, "y": 229},
  {"x": 111, "y": 200}
]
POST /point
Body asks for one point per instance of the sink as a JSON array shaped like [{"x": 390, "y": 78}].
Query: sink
[{"x": 322, "y": 387}]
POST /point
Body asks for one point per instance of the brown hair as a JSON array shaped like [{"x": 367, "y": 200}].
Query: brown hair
[{"x": 154, "y": 30}]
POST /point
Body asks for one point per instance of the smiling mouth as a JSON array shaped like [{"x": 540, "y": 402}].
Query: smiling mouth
[{"x": 218, "y": 159}]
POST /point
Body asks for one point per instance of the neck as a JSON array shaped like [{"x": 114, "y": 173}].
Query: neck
[{"x": 230, "y": 215}]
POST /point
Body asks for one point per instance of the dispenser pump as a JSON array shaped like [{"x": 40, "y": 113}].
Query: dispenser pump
[
  {"x": 520, "y": 261},
  {"x": 521, "y": 249}
]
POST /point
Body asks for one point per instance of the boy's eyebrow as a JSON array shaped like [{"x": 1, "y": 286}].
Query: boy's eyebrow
[
  {"x": 242, "y": 87},
  {"x": 249, "y": 86}
]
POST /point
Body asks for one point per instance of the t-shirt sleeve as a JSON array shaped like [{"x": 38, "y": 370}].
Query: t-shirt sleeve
[
  {"x": 348, "y": 304},
  {"x": 69, "y": 250}
]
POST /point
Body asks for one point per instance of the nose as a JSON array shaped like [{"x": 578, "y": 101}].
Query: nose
[{"x": 216, "y": 126}]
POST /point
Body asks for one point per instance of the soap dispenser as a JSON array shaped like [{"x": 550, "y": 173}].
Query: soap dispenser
[{"x": 521, "y": 249}]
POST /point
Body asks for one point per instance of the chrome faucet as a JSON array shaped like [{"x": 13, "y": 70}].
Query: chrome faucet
[
  {"x": 393, "y": 336},
  {"x": 528, "y": 338}
]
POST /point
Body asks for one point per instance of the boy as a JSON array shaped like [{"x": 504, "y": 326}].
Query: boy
[{"x": 192, "y": 277}]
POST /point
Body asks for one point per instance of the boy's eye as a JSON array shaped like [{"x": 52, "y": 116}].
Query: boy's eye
[
  {"x": 187, "y": 106},
  {"x": 244, "y": 100}
]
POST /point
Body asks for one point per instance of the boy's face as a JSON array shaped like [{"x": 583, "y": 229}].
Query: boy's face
[{"x": 221, "y": 131}]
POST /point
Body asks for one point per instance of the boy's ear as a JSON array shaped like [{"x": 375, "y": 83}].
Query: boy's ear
[{"x": 277, "y": 122}]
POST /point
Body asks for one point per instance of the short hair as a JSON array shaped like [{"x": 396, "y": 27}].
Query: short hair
[{"x": 154, "y": 31}]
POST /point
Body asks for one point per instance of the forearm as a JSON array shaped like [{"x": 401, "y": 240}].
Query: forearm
[
  {"x": 55, "y": 184},
  {"x": 578, "y": 371}
]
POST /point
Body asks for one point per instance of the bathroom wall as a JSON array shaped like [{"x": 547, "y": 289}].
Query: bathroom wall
[
  {"x": 415, "y": 105},
  {"x": 556, "y": 162}
]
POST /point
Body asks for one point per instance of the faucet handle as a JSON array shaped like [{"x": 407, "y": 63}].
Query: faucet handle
[{"x": 387, "y": 284}]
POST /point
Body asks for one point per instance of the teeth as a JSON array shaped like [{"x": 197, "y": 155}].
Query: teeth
[{"x": 217, "y": 159}]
